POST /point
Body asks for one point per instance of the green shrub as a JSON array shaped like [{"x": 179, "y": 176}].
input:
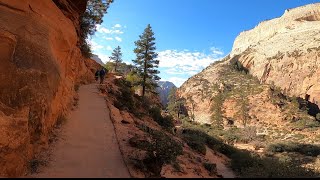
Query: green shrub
[
  {"x": 306, "y": 123},
  {"x": 161, "y": 150},
  {"x": 61, "y": 120},
  {"x": 247, "y": 165},
  {"x": 231, "y": 135},
  {"x": 305, "y": 149},
  {"x": 125, "y": 97},
  {"x": 198, "y": 139},
  {"x": 166, "y": 122},
  {"x": 211, "y": 168},
  {"x": 34, "y": 164},
  {"x": 76, "y": 87}
]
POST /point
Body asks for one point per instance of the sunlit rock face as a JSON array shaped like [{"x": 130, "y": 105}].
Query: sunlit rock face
[
  {"x": 40, "y": 63},
  {"x": 285, "y": 51}
]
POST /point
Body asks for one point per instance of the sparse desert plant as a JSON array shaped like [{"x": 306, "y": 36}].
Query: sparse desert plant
[
  {"x": 162, "y": 149},
  {"x": 76, "y": 87},
  {"x": 62, "y": 119},
  {"x": 211, "y": 168}
]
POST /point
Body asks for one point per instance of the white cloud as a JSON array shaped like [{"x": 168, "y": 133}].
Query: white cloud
[
  {"x": 186, "y": 62},
  {"x": 109, "y": 48},
  {"x": 118, "y": 39},
  {"x": 95, "y": 46},
  {"x": 109, "y": 38},
  {"x": 104, "y": 30},
  {"x": 216, "y": 51},
  {"x": 117, "y": 26}
]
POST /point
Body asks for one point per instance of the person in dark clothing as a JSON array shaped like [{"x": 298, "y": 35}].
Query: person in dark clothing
[
  {"x": 102, "y": 74},
  {"x": 96, "y": 75}
]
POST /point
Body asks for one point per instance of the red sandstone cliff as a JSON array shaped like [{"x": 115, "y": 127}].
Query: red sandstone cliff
[{"x": 40, "y": 63}]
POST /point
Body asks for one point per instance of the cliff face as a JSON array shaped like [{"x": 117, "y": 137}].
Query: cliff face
[
  {"x": 164, "y": 90},
  {"x": 285, "y": 51},
  {"x": 40, "y": 64}
]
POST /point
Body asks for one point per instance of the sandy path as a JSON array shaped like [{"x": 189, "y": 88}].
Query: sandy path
[
  {"x": 221, "y": 164},
  {"x": 89, "y": 147}
]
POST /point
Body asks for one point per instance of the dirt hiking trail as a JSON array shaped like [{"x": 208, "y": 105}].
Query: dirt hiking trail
[
  {"x": 89, "y": 147},
  {"x": 221, "y": 162}
]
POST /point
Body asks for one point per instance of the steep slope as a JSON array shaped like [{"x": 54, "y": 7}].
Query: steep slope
[
  {"x": 163, "y": 90},
  {"x": 148, "y": 142},
  {"x": 40, "y": 65}
]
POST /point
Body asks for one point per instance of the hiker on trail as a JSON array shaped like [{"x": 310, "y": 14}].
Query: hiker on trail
[
  {"x": 102, "y": 74},
  {"x": 96, "y": 75}
]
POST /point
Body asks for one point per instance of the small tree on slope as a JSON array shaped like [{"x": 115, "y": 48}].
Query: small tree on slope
[{"x": 116, "y": 57}]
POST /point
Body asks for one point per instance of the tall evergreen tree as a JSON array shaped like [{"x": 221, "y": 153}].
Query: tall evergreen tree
[
  {"x": 116, "y": 57},
  {"x": 175, "y": 104},
  {"x": 146, "y": 62}
]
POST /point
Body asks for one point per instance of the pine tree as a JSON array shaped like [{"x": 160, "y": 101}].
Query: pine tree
[
  {"x": 116, "y": 57},
  {"x": 172, "y": 101},
  {"x": 175, "y": 104},
  {"x": 146, "y": 62}
]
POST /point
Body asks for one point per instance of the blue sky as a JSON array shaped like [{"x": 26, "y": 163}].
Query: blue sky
[{"x": 190, "y": 34}]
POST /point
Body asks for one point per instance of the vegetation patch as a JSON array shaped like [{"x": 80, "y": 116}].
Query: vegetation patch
[
  {"x": 125, "y": 97},
  {"x": 304, "y": 149},
  {"x": 34, "y": 164},
  {"x": 211, "y": 168},
  {"x": 161, "y": 149},
  {"x": 61, "y": 120},
  {"x": 164, "y": 121}
]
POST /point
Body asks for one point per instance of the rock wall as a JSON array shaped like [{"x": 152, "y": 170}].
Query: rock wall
[
  {"x": 39, "y": 65},
  {"x": 285, "y": 51}
]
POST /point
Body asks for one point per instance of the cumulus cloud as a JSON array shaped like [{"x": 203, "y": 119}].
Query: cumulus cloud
[
  {"x": 216, "y": 51},
  {"x": 186, "y": 62},
  {"x": 117, "y": 26},
  {"x": 104, "y": 30},
  {"x": 118, "y": 39},
  {"x": 95, "y": 46},
  {"x": 109, "y": 38},
  {"x": 109, "y": 48}
]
